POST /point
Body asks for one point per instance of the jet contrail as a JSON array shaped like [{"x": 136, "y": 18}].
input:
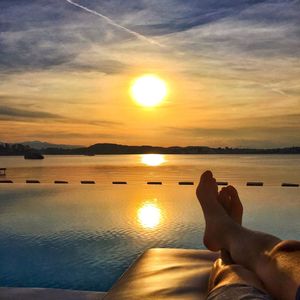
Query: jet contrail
[{"x": 113, "y": 23}]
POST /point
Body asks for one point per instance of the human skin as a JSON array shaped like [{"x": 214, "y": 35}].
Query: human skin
[{"x": 276, "y": 263}]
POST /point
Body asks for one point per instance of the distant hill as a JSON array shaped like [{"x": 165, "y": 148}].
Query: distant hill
[
  {"x": 13, "y": 149},
  {"x": 44, "y": 145},
  {"x": 124, "y": 149},
  {"x": 105, "y": 148}
]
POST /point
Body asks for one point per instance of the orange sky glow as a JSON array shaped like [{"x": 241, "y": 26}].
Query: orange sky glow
[{"x": 71, "y": 81}]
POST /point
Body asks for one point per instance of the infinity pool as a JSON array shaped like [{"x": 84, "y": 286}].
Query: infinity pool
[{"x": 84, "y": 237}]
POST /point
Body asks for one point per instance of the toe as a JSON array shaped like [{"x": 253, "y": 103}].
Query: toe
[
  {"x": 232, "y": 190},
  {"x": 236, "y": 204},
  {"x": 207, "y": 187},
  {"x": 222, "y": 196},
  {"x": 225, "y": 201},
  {"x": 233, "y": 193},
  {"x": 206, "y": 176},
  {"x": 205, "y": 181}
]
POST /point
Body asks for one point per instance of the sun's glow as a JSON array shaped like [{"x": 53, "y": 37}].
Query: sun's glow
[
  {"x": 149, "y": 215},
  {"x": 153, "y": 160},
  {"x": 149, "y": 90}
]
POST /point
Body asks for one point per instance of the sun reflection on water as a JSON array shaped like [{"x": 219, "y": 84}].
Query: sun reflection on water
[
  {"x": 152, "y": 160},
  {"x": 149, "y": 215}
]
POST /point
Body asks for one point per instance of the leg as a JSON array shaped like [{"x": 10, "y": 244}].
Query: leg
[
  {"x": 232, "y": 275},
  {"x": 225, "y": 272},
  {"x": 276, "y": 263},
  {"x": 230, "y": 200}
]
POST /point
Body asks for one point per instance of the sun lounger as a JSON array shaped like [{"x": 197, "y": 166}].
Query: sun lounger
[
  {"x": 165, "y": 274},
  {"x": 159, "y": 274}
]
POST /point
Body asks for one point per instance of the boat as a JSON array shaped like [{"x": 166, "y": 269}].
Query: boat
[{"x": 33, "y": 155}]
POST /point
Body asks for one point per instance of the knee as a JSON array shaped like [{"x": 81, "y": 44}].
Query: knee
[
  {"x": 217, "y": 273},
  {"x": 223, "y": 274},
  {"x": 283, "y": 258},
  {"x": 284, "y": 247}
]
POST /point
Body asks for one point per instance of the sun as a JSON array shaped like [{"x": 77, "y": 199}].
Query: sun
[
  {"x": 149, "y": 215},
  {"x": 152, "y": 160},
  {"x": 149, "y": 90}
]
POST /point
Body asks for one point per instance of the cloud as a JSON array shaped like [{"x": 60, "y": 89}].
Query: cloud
[
  {"x": 76, "y": 135},
  {"x": 108, "y": 67},
  {"x": 23, "y": 52},
  {"x": 27, "y": 52},
  {"x": 57, "y": 33},
  {"x": 232, "y": 136},
  {"x": 115, "y": 24},
  {"x": 15, "y": 114},
  {"x": 6, "y": 111},
  {"x": 273, "y": 131},
  {"x": 235, "y": 131},
  {"x": 243, "y": 54},
  {"x": 57, "y": 132},
  {"x": 53, "y": 37}
]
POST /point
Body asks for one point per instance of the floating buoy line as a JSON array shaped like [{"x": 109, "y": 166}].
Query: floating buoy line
[{"x": 182, "y": 183}]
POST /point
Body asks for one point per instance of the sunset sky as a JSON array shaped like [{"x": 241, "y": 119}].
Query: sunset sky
[{"x": 232, "y": 68}]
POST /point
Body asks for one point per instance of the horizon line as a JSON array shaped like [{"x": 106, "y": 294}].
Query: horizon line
[{"x": 153, "y": 146}]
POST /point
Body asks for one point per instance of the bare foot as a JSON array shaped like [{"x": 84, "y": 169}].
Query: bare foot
[
  {"x": 216, "y": 218},
  {"x": 230, "y": 200}
]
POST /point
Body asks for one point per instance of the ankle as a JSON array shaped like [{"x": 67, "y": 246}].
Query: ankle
[
  {"x": 230, "y": 234},
  {"x": 222, "y": 230}
]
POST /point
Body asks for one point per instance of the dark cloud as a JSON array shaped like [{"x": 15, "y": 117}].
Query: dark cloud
[
  {"x": 41, "y": 35},
  {"x": 199, "y": 14},
  {"x": 37, "y": 35},
  {"x": 227, "y": 39},
  {"x": 169, "y": 16},
  {"x": 6, "y": 111},
  {"x": 74, "y": 135},
  {"x": 47, "y": 133}
]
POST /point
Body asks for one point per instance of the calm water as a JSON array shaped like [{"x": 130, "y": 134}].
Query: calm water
[
  {"x": 237, "y": 169},
  {"x": 84, "y": 237}
]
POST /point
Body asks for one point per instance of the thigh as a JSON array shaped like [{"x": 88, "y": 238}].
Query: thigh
[
  {"x": 238, "y": 292},
  {"x": 232, "y": 274},
  {"x": 280, "y": 269}
]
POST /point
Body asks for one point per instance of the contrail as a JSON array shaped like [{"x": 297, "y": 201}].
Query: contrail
[{"x": 113, "y": 23}]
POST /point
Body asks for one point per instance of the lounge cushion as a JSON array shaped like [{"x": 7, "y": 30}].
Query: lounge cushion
[
  {"x": 47, "y": 294},
  {"x": 165, "y": 274}
]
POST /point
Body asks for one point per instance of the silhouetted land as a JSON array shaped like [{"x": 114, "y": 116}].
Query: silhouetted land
[{"x": 19, "y": 149}]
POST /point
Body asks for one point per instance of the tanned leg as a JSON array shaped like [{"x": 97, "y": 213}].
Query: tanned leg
[
  {"x": 225, "y": 271},
  {"x": 275, "y": 262}
]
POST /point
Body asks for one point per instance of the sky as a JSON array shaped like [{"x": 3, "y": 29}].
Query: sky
[{"x": 232, "y": 68}]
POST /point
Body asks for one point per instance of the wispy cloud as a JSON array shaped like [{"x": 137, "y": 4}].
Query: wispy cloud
[
  {"x": 115, "y": 24},
  {"x": 241, "y": 60},
  {"x": 6, "y": 111},
  {"x": 247, "y": 136},
  {"x": 12, "y": 114}
]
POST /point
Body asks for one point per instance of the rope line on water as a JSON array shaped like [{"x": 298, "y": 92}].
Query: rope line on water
[{"x": 184, "y": 183}]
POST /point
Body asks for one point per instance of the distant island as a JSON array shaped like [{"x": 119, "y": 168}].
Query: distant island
[{"x": 106, "y": 148}]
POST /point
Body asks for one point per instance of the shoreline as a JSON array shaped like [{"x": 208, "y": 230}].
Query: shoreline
[{"x": 119, "y": 154}]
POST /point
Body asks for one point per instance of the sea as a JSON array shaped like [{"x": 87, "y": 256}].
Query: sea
[{"x": 84, "y": 236}]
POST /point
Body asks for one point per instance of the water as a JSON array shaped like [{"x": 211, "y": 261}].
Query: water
[
  {"x": 84, "y": 237},
  {"x": 237, "y": 169}
]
